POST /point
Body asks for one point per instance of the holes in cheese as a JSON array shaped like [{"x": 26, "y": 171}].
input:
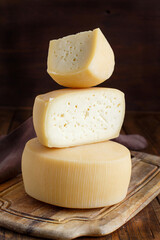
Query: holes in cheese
[
  {"x": 87, "y": 176},
  {"x": 81, "y": 60},
  {"x": 70, "y": 117}
]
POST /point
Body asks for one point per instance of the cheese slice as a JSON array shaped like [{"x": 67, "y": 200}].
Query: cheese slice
[
  {"x": 88, "y": 176},
  {"x": 70, "y": 117},
  {"x": 81, "y": 60}
]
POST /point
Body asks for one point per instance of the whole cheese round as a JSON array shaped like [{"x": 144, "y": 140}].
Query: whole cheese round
[
  {"x": 87, "y": 176},
  {"x": 81, "y": 60}
]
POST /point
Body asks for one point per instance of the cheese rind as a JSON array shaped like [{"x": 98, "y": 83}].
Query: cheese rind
[
  {"x": 82, "y": 60},
  {"x": 71, "y": 117},
  {"x": 88, "y": 176}
]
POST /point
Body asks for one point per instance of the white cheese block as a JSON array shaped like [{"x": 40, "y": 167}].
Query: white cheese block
[
  {"x": 81, "y": 60},
  {"x": 70, "y": 117},
  {"x": 87, "y": 176}
]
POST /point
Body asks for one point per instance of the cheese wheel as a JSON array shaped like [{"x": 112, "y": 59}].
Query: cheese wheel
[
  {"x": 71, "y": 117},
  {"x": 88, "y": 176},
  {"x": 82, "y": 60}
]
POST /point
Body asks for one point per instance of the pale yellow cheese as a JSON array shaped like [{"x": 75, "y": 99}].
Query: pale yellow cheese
[
  {"x": 82, "y": 60},
  {"x": 87, "y": 176},
  {"x": 71, "y": 117}
]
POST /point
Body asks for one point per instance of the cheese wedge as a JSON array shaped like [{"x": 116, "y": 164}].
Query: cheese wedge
[
  {"x": 71, "y": 117},
  {"x": 88, "y": 176},
  {"x": 82, "y": 60}
]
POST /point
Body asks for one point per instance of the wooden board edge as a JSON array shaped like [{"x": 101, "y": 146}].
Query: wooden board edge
[{"x": 148, "y": 158}]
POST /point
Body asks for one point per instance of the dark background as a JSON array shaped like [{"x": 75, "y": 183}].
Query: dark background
[{"x": 132, "y": 27}]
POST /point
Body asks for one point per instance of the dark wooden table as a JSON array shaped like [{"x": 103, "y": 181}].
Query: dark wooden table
[{"x": 146, "y": 224}]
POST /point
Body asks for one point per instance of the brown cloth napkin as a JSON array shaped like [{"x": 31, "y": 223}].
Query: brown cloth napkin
[{"x": 12, "y": 145}]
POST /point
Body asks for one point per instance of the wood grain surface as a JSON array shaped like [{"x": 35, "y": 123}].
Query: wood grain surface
[
  {"x": 146, "y": 224},
  {"x": 131, "y": 26}
]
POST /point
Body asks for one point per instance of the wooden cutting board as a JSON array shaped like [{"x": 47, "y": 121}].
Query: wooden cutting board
[{"x": 23, "y": 214}]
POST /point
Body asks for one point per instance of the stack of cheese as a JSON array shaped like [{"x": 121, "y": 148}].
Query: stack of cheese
[{"x": 71, "y": 163}]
